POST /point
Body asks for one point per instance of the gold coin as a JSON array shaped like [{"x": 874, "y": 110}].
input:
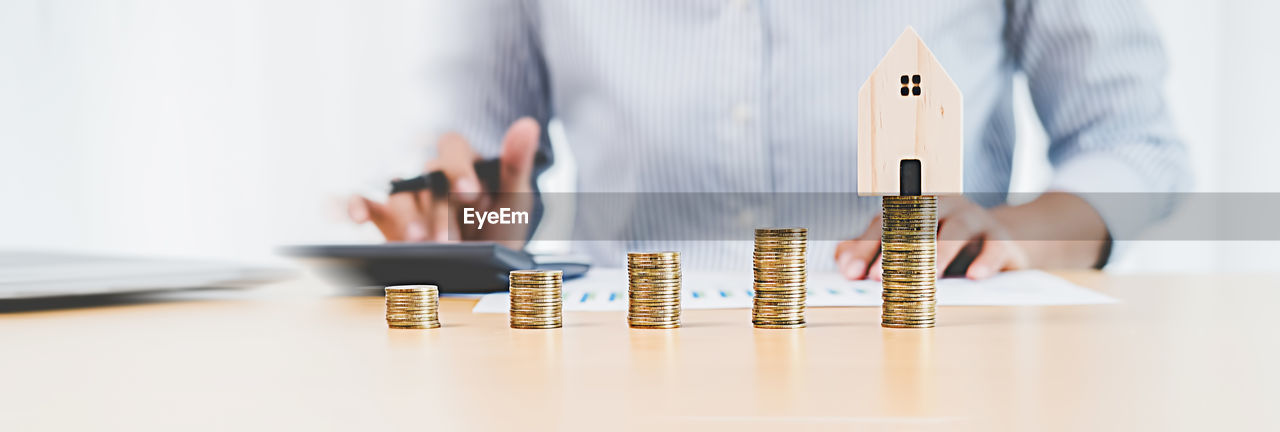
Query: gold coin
[
  {"x": 655, "y": 326},
  {"x": 411, "y": 288},
  {"x": 778, "y": 326}
]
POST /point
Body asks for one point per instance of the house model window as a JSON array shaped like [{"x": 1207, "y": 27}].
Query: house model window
[{"x": 911, "y": 85}]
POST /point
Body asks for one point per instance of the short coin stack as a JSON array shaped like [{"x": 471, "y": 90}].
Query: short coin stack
[
  {"x": 536, "y": 299},
  {"x": 653, "y": 289},
  {"x": 909, "y": 260},
  {"x": 413, "y": 307},
  {"x": 780, "y": 275}
]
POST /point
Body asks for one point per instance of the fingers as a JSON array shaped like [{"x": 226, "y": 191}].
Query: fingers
[
  {"x": 409, "y": 216},
  {"x": 362, "y": 210},
  {"x": 406, "y": 210},
  {"x": 988, "y": 261},
  {"x": 456, "y": 160},
  {"x": 435, "y": 212},
  {"x": 957, "y": 230},
  {"x": 359, "y": 209},
  {"x": 421, "y": 216},
  {"x": 961, "y": 223},
  {"x": 853, "y": 257},
  {"x": 518, "y": 149},
  {"x": 998, "y": 254}
]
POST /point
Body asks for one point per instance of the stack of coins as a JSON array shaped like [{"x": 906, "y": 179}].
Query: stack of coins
[
  {"x": 536, "y": 299},
  {"x": 909, "y": 259},
  {"x": 779, "y": 278},
  {"x": 653, "y": 289},
  {"x": 413, "y": 307}
]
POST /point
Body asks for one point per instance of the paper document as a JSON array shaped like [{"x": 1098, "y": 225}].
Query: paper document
[{"x": 606, "y": 290}]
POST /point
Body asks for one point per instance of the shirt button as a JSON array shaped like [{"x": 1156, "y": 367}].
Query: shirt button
[{"x": 742, "y": 112}]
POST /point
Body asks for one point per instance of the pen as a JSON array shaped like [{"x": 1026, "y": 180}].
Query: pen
[{"x": 438, "y": 184}]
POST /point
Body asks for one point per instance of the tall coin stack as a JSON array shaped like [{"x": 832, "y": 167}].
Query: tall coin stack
[
  {"x": 536, "y": 299},
  {"x": 779, "y": 278},
  {"x": 653, "y": 289},
  {"x": 413, "y": 307},
  {"x": 909, "y": 260}
]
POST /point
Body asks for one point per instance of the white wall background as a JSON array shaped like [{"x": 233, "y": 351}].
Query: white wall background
[
  {"x": 198, "y": 127},
  {"x": 225, "y": 128}
]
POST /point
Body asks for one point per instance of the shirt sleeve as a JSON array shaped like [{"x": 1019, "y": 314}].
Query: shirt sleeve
[
  {"x": 487, "y": 71},
  {"x": 1096, "y": 71}
]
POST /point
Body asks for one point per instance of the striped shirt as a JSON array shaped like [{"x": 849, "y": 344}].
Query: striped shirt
[{"x": 728, "y": 96}]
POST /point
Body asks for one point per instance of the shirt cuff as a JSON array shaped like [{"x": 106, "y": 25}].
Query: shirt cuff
[{"x": 1101, "y": 180}]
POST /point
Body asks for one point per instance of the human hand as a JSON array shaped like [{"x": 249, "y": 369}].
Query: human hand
[
  {"x": 962, "y": 226},
  {"x": 422, "y": 216}
]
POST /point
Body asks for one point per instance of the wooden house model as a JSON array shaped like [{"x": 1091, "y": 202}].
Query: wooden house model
[{"x": 910, "y": 125}]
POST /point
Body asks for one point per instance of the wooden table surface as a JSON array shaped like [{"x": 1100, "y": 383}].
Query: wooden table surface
[{"x": 1179, "y": 352}]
